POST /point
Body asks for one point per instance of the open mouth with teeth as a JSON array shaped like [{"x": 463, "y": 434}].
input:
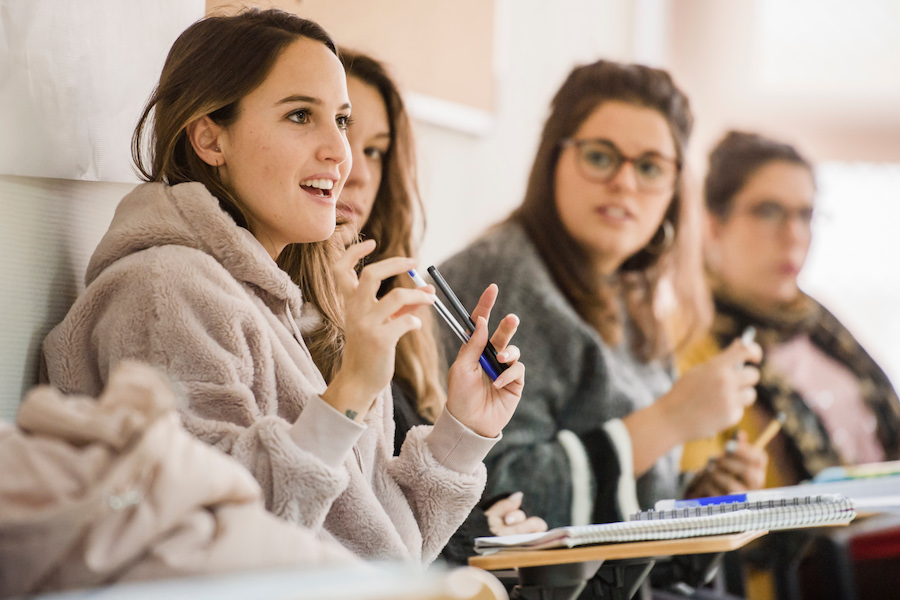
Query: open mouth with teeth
[{"x": 318, "y": 187}]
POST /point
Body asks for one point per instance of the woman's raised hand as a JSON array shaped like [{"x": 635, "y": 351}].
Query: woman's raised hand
[
  {"x": 484, "y": 406},
  {"x": 372, "y": 327},
  {"x": 712, "y": 396}
]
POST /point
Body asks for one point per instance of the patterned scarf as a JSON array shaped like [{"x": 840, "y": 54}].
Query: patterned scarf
[{"x": 809, "y": 445}]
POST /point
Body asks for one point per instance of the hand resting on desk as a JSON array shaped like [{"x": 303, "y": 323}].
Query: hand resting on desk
[{"x": 505, "y": 517}]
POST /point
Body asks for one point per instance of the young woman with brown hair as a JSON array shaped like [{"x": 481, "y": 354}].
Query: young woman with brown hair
[
  {"x": 603, "y": 235},
  {"x": 839, "y": 407},
  {"x": 247, "y": 153},
  {"x": 381, "y": 201}
]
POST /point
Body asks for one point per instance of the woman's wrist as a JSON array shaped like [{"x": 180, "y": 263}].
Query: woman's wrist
[
  {"x": 348, "y": 397},
  {"x": 654, "y": 431}
]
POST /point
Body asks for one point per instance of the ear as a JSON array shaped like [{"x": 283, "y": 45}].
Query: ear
[{"x": 206, "y": 137}]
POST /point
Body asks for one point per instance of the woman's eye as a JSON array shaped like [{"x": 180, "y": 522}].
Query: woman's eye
[
  {"x": 374, "y": 153},
  {"x": 648, "y": 168},
  {"x": 599, "y": 158},
  {"x": 299, "y": 116},
  {"x": 768, "y": 212},
  {"x": 343, "y": 122}
]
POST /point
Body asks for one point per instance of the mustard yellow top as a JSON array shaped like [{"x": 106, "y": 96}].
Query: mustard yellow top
[{"x": 696, "y": 453}]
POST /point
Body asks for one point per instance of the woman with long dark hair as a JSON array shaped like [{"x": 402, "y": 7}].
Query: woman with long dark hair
[{"x": 602, "y": 248}]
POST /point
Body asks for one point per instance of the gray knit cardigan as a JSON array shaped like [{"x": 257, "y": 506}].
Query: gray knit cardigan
[{"x": 566, "y": 446}]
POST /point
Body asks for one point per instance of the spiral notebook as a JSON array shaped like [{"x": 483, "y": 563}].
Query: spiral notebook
[{"x": 787, "y": 513}]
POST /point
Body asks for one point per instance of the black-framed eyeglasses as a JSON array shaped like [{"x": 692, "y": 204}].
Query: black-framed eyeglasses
[{"x": 600, "y": 160}]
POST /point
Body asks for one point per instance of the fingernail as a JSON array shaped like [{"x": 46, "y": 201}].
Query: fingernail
[
  {"x": 516, "y": 317},
  {"x": 516, "y": 496},
  {"x": 508, "y": 520},
  {"x": 502, "y": 356}
]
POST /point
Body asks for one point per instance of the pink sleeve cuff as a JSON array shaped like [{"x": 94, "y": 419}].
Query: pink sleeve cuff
[
  {"x": 457, "y": 447},
  {"x": 324, "y": 432}
]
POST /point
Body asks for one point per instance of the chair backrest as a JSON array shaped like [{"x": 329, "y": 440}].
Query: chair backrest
[{"x": 48, "y": 230}]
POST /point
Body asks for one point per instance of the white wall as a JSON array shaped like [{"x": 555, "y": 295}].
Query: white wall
[
  {"x": 854, "y": 262},
  {"x": 74, "y": 76}
]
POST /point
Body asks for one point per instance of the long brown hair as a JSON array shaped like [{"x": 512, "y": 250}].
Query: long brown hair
[
  {"x": 212, "y": 65},
  {"x": 735, "y": 159},
  {"x": 641, "y": 275},
  {"x": 393, "y": 224}
]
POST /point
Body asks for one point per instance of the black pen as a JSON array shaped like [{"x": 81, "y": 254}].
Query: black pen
[
  {"x": 464, "y": 316},
  {"x": 456, "y": 327}
]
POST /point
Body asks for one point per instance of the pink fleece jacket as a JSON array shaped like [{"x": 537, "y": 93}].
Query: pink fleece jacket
[{"x": 176, "y": 283}]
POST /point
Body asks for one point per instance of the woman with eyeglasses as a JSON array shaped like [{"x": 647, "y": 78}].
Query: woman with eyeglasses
[
  {"x": 603, "y": 246},
  {"x": 839, "y": 406}
]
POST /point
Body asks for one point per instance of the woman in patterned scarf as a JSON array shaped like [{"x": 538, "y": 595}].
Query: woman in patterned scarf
[{"x": 839, "y": 406}]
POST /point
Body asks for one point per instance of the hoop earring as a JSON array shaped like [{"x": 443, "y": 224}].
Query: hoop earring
[
  {"x": 658, "y": 246},
  {"x": 218, "y": 176}
]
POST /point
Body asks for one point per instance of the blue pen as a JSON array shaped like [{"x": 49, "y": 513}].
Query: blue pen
[
  {"x": 454, "y": 325},
  {"x": 757, "y": 496}
]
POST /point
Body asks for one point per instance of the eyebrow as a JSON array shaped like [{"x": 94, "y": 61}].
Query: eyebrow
[
  {"x": 307, "y": 99},
  {"x": 651, "y": 152}
]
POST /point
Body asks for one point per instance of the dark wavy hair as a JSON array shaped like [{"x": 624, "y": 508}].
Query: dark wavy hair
[{"x": 596, "y": 300}]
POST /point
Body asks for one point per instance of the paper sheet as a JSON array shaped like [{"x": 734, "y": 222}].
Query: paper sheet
[{"x": 74, "y": 77}]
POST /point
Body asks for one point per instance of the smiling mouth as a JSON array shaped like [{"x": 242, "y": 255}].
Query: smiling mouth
[{"x": 318, "y": 187}]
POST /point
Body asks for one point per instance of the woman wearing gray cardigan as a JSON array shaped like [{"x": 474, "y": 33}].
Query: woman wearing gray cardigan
[{"x": 588, "y": 261}]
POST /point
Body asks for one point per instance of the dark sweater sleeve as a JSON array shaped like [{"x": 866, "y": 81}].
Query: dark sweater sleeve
[
  {"x": 604, "y": 462},
  {"x": 405, "y": 415},
  {"x": 462, "y": 544},
  {"x": 555, "y": 448}
]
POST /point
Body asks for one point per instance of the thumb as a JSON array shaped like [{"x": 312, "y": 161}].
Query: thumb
[
  {"x": 739, "y": 352},
  {"x": 506, "y": 505},
  {"x": 475, "y": 346}
]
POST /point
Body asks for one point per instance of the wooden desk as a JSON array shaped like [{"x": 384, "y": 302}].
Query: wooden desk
[{"x": 563, "y": 572}]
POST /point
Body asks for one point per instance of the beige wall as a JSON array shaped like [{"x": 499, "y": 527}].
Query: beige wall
[{"x": 439, "y": 48}]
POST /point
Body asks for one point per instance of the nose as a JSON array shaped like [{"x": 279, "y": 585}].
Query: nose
[
  {"x": 333, "y": 145},
  {"x": 796, "y": 230},
  {"x": 625, "y": 177},
  {"x": 360, "y": 173}
]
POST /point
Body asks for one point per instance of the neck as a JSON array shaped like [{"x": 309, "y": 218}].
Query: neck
[{"x": 605, "y": 266}]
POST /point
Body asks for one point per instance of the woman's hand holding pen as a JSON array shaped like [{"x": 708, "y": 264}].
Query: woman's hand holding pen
[
  {"x": 372, "y": 328},
  {"x": 483, "y": 406},
  {"x": 737, "y": 471},
  {"x": 713, "y": 395},
  {"x": 703, "y": 402}
]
